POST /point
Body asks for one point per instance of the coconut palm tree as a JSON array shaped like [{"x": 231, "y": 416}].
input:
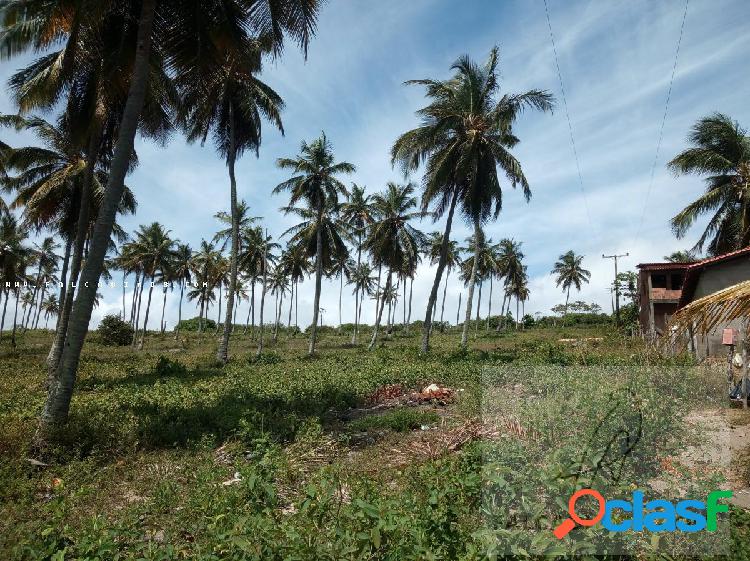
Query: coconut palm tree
[
  {"x": 316, "y": 185},
  {"x": 156, "y": 250},
  {"x": 686, "y": 256},
  {"x": 46, "y": 260},
  {"x": 364, "y": 285},
  {"x": 465, "y": 134},
  {"x": 50, "y": 307},
  {"x": 357, "y": 213},
  {"x": 266, "y": 248},
  {"x": 721, "y": 152},
  {"x": 509, "y": 265},
  {"x": 295, "y": 264},
  {"x": 36, "y": 24},
  {"x": 433, "y": 251},
  {"x": 392, "y": 240},
  {"x": 203, "y": 265},
  {"x": 15, "y": 256},
  {"x": 222, "y": 96},
  {"x": 569, "y": 272},
  {"x": 341, "y": 268},
  {"x": 182, "y": 268}
]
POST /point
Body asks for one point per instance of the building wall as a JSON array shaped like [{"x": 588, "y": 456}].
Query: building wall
[{"x": 712, "y": 280}]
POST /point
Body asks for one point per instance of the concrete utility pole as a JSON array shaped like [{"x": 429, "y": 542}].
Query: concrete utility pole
[{"x": 617, "y": 286}]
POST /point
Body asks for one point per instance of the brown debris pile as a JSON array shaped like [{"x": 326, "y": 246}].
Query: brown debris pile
[{"x": 392, "y": 395}]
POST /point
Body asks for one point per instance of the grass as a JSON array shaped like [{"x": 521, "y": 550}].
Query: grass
[{"x": 139, "y": 472}]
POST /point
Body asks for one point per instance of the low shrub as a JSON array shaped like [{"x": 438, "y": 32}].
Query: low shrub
[
  {"x": 193, "y": 324},
  {"x": 397, "y": 420},
  {"x": 113, "y": 331}
]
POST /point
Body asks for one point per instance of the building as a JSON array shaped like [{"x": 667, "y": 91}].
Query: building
[
  {"x": 664, "y": 288},
  {"x": 659, "y": 289}
]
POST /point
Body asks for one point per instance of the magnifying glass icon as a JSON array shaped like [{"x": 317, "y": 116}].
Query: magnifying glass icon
[{"x": 569, "y": 523}]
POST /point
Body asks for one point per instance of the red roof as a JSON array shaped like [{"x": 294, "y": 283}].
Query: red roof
[{"x": 693, "y": 272}]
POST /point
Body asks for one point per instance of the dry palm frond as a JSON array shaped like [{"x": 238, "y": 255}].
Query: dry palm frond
[{"x": 704, "y": 314}]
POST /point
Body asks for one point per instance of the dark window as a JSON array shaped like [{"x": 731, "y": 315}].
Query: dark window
[
  {"x": 658, "y": 281},
  {"x": 677, "y": 281}
]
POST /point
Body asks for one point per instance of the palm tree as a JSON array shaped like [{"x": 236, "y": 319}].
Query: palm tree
[
  {"x": 15, "y": 256},
  {"x": 315, "y": 184},
  {"x": 222, "y": 96},
  {"x": 357, "y": 213},
  {"x": 181, "y": 266},
  {"x": 279, "y": 285},
  {"x": 364, "y": 285},
  {"x": 392, "y": 241},
  {"x": 434, "y": 248},
  {"x": 46, "y": 260},
  {"x": 570, "y": 272},
  {"x": 687, "y": 256},
  {"x": 466, "y": 133},
  {"x": 721, "y": 151},
  {"x": 267, "y": 245},
  {"x": 487, "y": 267},
  {"x": 295, "y": 264},
  {"x": 50, "y": 307},
  {"x": 509, "y": 265},
  {"x": 341, "y": 268},
  {"x": 203, "y": 266},
  {"x": 36, "y": 24},
  {"x": 156, "y": 250}
]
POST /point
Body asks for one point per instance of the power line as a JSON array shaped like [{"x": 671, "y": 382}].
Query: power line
[
  {"x": 567, "y": 114},
  {"x": 663, "y": 121}
]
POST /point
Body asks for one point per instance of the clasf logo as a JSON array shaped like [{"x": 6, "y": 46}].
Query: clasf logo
[{"x": 655, "y": 516}]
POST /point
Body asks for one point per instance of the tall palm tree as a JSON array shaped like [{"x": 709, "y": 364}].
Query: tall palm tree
[
  {"x": 36, "y": 25},
  {"x": 721, "y": 152},
  {"x": 222, "y": 96},
  {"x": 682, "y": 256},
  {"x": 266, "y": 248},
  {"x": 509, "y": 260},
  {"x": 392, "y": 240},
  {"x": 156, "y": 250},
  {"x": 364, "y": 285},
  {"x": 357, "y": 213},
  {"x": 569, "y": 272},
  {"x": 295, "y": 264},
  {"x": 316, "y": 185},
  {"x": 50, "y": 307},
  {"x": 466, "y": 133},
  {"x": 182, "y": 268},
  {"x": 46, "y": 260},
  {"x": 341, "y": 268},
  {"x": 203, "y": 266},
  {"x": 15, "y": 255},
  {"x": 486, "y": 269}
]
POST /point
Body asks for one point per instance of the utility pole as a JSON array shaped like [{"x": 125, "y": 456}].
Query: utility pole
[{"x": 617, "y": 285}]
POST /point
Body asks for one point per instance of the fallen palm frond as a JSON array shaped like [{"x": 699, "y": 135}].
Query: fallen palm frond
[{"x": 705, "y": 314}]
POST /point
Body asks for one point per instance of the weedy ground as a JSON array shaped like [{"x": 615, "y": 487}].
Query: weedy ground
[{"x": 169, "y": 456}]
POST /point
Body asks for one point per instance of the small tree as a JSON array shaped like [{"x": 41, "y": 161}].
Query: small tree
[{"x": 114, "y": 331}]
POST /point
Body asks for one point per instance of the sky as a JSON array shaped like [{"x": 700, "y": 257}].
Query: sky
[{"x": 616, "y": 60}]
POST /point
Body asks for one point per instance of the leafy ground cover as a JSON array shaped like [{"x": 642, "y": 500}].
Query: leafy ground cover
[{"x": 168, "y": 456}]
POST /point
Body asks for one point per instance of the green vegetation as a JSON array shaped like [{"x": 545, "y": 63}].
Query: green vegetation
[
  {"x": 114, "y": 331},
  {"x": 168, "y": 455}
]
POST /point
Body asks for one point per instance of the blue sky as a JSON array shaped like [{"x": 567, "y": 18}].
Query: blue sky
[{"x": 616, "y": 60}]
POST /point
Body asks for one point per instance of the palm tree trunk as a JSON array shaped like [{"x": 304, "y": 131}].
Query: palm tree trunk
[
  {"x": 379, "y": 313},
  {"x": 200, "y": 313},
  {"x": 263, "y": 295},
  {"x": 163, "y": 308},
  {"x": 42, "y": 294},
  {"x": 479, "y": 305},
  {"x": 291, "y": 301},
  {"x": 296, "y": 305},
  {"x": 472, "y": 282},
  {"x": 250, "y": 309},
  {"x": 427, "y": 327},
  {"x": 318, "y": 280},
  {"x": 489, "y": 306},
  {"x": 516, "y": 313},
  {"x": 458, "y": 311},
  {"x": 222, "y": 354},
  {"x": 276, "y": 317},
  {"x": 139, "y": 301},
  {"x": 356, "y": 292},
  {"x": 15, "y": 321},
  {"x": 148, "y": 308},
  {"x": 411, "y": 294},
  {"x": 60, "y": 393},
  {"x": 567, "y": 298},
  {"x": 501, "y": 319},
  {"x": 133, "y": 298},
  {"x": 82, "y": 229},
  {"x": 442, "y": 307},
  {"x": 218, "y": 315},
  {"x": 64, "y": 274},
  {"x": 179, "y": 311},
  {"x": 5, "y": 307},
  {"x": 341, "y": 293}
]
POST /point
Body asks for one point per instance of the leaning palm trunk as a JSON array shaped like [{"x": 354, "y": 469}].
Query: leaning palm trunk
[
  {"x": 356, "y": 293},
  {"x": 139, "y": 301},
  {"x": 251, "y": 309},
  {"x": 379, "y": 314},
  {"x": 64, "y": 274},
  {"x": 42, "y": 294},
  {"x": 124, "y": 278},
  {"x": 472, "y": 282},
  {"x": 318, "y": 280},
  {"x": 222, "y": 354},
  {"x": 5, "y": 308},
  {"x": 411, "y": 294},
  {"x": 133, "y": 298},
  {"x": 291, "y": 302},
  {"x": 479, "y": 305},
  {"x": 145, "y": 318},
  {"x": 53, "y": 359},
  {"x": 61, "y": 391},
  {"x": 427, "y": 328}
]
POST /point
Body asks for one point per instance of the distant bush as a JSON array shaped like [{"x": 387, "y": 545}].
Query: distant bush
[
  {"x": 193, "y": 323},
  {"x": 114, "y": 331}
]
